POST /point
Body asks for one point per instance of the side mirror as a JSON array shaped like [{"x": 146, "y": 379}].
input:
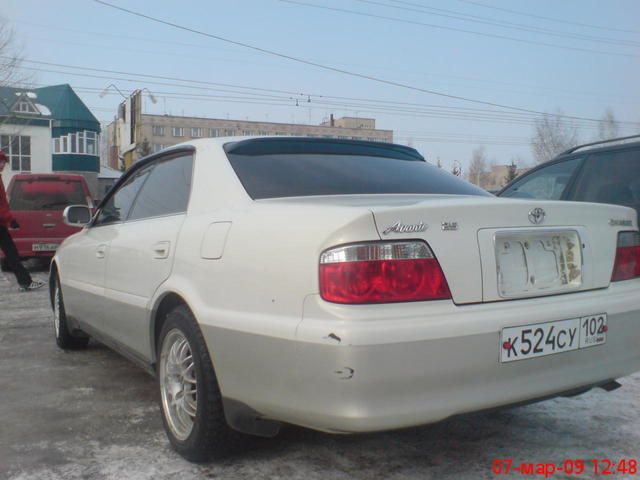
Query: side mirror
[{"x": 76, "y": 215}]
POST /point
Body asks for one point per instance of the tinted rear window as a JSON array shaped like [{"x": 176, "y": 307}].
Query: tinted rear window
[
  {"x": 50, "y": 194},
  {"x": 611, "y": 177},
  {"x": 301, "y": 174}
]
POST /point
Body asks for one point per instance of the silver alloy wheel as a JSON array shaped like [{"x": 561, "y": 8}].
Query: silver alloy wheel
[
  {"x": 178, "y": 384},
  {"x": 56, "y": 310}
]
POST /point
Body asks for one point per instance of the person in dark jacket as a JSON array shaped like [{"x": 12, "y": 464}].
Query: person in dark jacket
[{"x": 6, "y": 242}]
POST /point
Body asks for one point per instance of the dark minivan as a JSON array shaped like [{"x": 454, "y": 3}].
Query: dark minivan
[{"x": 601, "y": 172}]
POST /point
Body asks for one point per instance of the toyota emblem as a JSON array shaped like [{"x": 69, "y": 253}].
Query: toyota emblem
[{"x": 536, "y": 215}]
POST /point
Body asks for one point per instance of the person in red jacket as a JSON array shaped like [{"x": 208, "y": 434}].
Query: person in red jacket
[{"x": 6, "y": 242}]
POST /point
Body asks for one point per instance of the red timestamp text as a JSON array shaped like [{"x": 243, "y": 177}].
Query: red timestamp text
[{"x": 568, "y": 467}]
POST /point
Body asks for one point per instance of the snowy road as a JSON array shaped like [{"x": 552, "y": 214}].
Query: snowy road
[{"x": 94, "y": 415}]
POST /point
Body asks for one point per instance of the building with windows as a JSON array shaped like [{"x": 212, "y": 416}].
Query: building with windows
[
  {"x": 48, "y": 129},
  {"x": 162, "y": 131}
]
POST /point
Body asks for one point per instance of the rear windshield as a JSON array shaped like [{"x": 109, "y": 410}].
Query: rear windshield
[
  {"x": 42, "y": 194},
  {"x": 303, "y": 174}
]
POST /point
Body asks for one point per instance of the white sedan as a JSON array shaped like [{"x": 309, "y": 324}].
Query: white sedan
[{"x": 344, "y": 286}]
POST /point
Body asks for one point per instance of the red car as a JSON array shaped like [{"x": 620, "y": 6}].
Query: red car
[{"x": 37, "y": 202}]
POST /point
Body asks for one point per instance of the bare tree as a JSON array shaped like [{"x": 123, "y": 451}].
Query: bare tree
[
  {"x": 478, "y": 166},
  {"x": 10, "y": 73},
  {"x": 553, "y": 135},
  {"x": 608, "y": 126},
  {"x": 10, "y": 58}
]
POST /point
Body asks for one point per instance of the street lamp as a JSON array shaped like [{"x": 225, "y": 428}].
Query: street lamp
[
  {"x": 106, "y": 90},
  {"x": 457, "y": 170},
  {"x": 145, "y": 89},
  {"x": 151, "y": 95}
]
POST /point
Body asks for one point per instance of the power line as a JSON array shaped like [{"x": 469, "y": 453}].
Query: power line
[
  {"x": 287, "y": 92},
  {"x": 432, "y": 137},
  {"x": 452, "y": 29},
  {"x": 568, "y": 22},
  {"x": 161, "y": 77},
  {"x": 331, "y": 68},
  {"x": 462, "y": 142},
  {"x": 450, "y": 113},
  {"x": 460, "y": 135},
  {"x": 376, "y": 109},
  {"x": 361, "y": 104},
  {"x": 442, "y": 12},
  {"x": 378, "y": 67}
]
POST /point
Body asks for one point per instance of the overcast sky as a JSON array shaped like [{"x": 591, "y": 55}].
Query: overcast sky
[{"x": 583, "y": 57}]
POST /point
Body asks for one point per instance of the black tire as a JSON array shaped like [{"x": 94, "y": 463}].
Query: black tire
[
  {"x": 64, "y": 338},
  {"x": 4, "y": 265},
  {"x": 210, "y": 437}
]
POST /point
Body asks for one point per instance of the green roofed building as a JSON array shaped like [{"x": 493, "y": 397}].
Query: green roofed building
[{"x": 48, "y": 129}]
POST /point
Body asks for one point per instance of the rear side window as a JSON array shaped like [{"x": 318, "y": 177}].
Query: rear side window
[
  {"x": 46, "y": 194},
  {"x": 547, "y": 183},
  {"x": 302, "y": 174},
  {"x": 166, "y": 191},
  {"x": 119, "y": 204},
  {"x": 610, "y": 177}
]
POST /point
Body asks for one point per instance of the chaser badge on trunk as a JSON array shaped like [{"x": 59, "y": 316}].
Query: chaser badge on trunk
[{"x": 400, "y": 227}]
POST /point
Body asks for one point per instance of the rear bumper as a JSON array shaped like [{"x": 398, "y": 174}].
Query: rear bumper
[{"x": 368, "y": 368}]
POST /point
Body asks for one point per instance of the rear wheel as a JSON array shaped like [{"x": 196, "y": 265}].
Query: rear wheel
[
  {"x": 191, "y": 402},
  {"x": 64, "y": 338}
]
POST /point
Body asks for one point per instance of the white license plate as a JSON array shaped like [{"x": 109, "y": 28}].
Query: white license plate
[
  {"x": 538, "y": 263},
  {"x": 542, "y": 339},
  {"x": 45, "y": 247}
]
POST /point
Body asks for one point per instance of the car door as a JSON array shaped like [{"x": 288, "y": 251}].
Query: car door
[
  {"x": 83, "y": 260},
  {"x": 141, "y": 253}
]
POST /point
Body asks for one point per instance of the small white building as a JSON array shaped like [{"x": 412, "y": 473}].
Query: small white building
[{"x": 48, "y": 129}]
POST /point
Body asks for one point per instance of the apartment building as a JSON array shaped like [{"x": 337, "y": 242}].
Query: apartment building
[{"x": 162, "y": 131}]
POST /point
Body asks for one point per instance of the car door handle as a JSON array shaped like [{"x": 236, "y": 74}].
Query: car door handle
[
  {"x": 100, "y": 251},
  {"x": 161, "y": 250},
  {"x": 49, "y": 225}
]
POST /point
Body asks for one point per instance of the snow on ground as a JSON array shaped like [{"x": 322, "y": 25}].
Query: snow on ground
[{"x": 93, "y": 415}]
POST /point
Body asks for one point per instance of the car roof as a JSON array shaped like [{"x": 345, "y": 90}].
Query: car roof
[
  {"x": 577, "y": 152},
  {"x": 596, "y": 147}
]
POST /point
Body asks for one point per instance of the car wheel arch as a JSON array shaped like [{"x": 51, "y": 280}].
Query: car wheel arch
[
  {"x": 53, "y": 273},
  {"x": 167, "y": 302}
]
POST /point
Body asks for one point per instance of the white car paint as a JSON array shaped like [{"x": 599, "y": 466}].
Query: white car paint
[
  {"x": 139, "y": 261},
  {"x": 248, "y": 270}
]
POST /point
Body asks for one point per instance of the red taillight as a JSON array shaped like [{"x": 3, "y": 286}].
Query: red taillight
[
  {"x": 381, "y": 273},
  {"x": 627, "y": 264}
]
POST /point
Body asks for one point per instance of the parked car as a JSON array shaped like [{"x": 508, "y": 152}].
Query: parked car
[
  {"x": 603, "y": 172},
  {"x": 37, "y": 201},
  {"x": 344, "y": 286}
]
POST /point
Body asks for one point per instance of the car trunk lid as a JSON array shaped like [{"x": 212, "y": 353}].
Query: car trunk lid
[{"x": 497, "y": 249}]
